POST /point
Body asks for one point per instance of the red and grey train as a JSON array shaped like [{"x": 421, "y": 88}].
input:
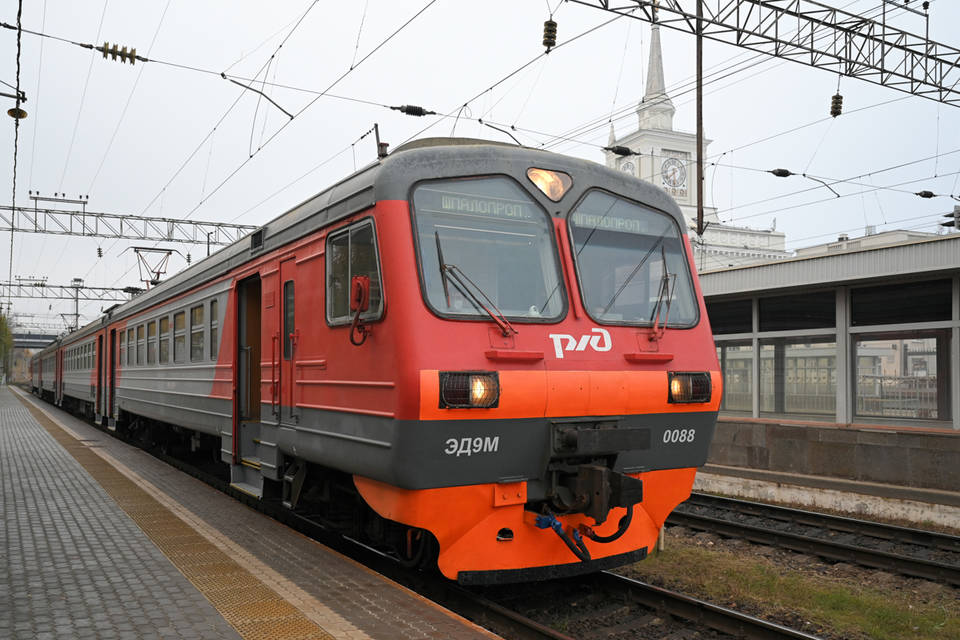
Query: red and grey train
[{"x": 491, "y": 359}]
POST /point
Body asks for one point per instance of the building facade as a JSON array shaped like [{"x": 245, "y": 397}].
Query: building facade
[{"x": 868, "y": 337}]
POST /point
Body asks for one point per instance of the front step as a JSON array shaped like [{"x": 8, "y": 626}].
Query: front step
[
  {"x": 247, "y": 479},
  {"x": 293, "y": 483}
]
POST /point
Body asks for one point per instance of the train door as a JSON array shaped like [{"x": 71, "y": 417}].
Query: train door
[
  {"x": 58, "y": 378},
  {"x": 246, "y": 422},
  {"x": 112, "y": 380},
  {"x": 98, "y": 411},
  {"x": 288, "y": 342}
]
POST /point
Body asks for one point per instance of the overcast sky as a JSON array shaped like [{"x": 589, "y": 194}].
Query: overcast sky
[{"x": 160, "y": 140}]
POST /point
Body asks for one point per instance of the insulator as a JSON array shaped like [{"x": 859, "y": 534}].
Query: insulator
[
  {"x": 781, "y": 173},
  {"x": 620, "y": 150},
  {"x": 926, "y": 194},
  {"x": 549, "y": 34},
  {"x": 414, "y": 110},
  {"x": 836, "y": 105},
  {"x": 99, "y": 252},
  {"x": 188, "y": 258}
]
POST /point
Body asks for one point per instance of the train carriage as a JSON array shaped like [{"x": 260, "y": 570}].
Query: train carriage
[{"x": 490, "y": 358}]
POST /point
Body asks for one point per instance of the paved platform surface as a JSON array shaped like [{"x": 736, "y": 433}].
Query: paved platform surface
[{"x": 101, "y": 540}]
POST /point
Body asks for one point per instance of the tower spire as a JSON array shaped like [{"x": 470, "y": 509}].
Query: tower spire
[{"x": 655, "y": 110}]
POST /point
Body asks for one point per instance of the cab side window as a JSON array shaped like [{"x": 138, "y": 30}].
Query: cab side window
[{"x": 352, "y": 252}]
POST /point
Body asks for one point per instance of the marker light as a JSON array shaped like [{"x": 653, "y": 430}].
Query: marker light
[
  {"x": 553, "y": 184},
  {"x": 469, "y": 389},
  {"x": 688, "y": 387}
]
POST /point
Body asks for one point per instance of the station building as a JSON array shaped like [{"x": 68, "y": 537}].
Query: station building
[{"x": 846, "y": 358}]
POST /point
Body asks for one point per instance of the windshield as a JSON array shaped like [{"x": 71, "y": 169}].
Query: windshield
[
  {"x": 492, "y": 233},
  {"x": 622, "y": 250}
]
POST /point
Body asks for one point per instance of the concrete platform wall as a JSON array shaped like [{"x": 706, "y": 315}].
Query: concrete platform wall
[{"x": 913, "y": 459}]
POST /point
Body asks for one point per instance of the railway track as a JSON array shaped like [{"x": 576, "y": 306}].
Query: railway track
[
  {"x": 902, "y": 550},
  {"x": 608, "y": 605},
  {"x": 667, "y": 613}
]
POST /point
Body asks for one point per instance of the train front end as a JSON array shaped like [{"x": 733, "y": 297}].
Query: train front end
[{"x": 568, "y": 384}]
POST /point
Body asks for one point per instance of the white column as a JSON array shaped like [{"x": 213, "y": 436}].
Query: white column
[
  {"x": 846, "y": 363},
  {"x": 755, "y": 341},
  {"x": 955, "y": 355}
]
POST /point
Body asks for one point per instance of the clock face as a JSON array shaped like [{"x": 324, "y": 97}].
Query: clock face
[
  {"x": 673, "y": 172},
  {"x": 627, "y": 167}
]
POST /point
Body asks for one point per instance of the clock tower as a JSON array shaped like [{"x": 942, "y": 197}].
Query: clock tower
[{"x": 667, "y": 158}]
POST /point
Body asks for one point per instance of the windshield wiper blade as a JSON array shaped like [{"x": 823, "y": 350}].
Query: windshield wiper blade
[
  {"x": 456, "y": 273},
  {"x": 667, "y": 289},
  {"x": 457, "y": 276},
  {"x": 636, "y": 269},
  {"x": 443, "y": 272}
]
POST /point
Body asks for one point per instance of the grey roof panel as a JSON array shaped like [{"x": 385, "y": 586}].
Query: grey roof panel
[{"x": 903, "y": 261}]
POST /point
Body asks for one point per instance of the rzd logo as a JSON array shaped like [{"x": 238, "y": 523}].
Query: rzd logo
[{"x": 599, "y": 341}]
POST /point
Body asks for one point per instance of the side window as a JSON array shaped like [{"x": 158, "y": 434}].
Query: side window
[
  {"x": 352, "y": 252},
  {"x": 152, "y": 342},
  {"x": 164, "y": 339},
  {"x": 214, "y": 330},
  {"x": 123, "y": 346},
  {"x": 179, "y": 336},
  {"x": 131, "y": 347},
  {"x": 141, "y": 345},
  {"x": 196, "y": 333},
  {"x": 288, "y": 318}
]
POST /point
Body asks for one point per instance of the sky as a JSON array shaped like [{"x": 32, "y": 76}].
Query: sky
[{"x": 172, "y": 138}]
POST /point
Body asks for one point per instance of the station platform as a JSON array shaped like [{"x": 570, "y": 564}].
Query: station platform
[
  {"x": 101, "y": 540},
  {"x": 908, "y": 505}
]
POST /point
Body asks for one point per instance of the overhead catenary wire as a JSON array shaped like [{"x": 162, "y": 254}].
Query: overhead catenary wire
[
  {"x": 312, "y": 102},
  {"x": 83, "y": 98},
  {"x": 375, "y": 103},
  {"x": 308, "y": 105},
  {"x": 126, "y": 106}
]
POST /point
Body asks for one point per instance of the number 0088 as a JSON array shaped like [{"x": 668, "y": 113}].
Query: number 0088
[{"x": 674, "y": 436}]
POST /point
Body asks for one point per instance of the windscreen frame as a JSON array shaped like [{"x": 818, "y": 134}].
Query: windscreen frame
[
  {"x": 561, "y": 289},
  {"x": 574, "y": 254}
]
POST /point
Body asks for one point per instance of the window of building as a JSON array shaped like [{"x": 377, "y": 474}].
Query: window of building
[
  {"x": 798, "y": 376},
  {"x": 798, "y": 311},
  {"x": 352, "y": 252},
  {"x": 927, "y": 301},
  {"x": 903, "y": 375},
  {"x": 196, "y": 333},
  {"x": 164, "y": 340},
  {"x": 141, "y": 345},
  {"x": 214, "y": 330},
  {"x": 131, "y": 346},
  {"x": 288, "y": 319},
  {"x": 179, "y": 336},
  {"x": 736, "y": 364},
  {"x": 735, "y": 316},
  {"x": 152, "y": 342}
]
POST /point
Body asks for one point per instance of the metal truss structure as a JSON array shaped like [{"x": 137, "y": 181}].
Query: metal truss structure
[
  {"x": 118, "y": 226},
  {"x": 41, "y": 290},
  {"x": 814, "y": 34}
]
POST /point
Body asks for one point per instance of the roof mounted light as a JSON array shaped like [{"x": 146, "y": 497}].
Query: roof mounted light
[{"x": 553, "y": 184}]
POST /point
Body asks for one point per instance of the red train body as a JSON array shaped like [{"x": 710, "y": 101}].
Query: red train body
[{"x": 491, "y": 358}]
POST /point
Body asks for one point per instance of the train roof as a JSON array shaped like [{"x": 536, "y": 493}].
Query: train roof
[{"x": 391, "y": 178}]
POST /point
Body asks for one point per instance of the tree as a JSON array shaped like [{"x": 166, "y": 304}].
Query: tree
[{"x": 6, "y": 347}]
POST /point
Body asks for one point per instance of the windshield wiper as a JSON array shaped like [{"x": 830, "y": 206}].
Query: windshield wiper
[
  {"x": 443, "y": 273},
  {"x": 457, "y": 276},
  {"x": 636, "y": 270},
  {"x": 667, "y": 289}
]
